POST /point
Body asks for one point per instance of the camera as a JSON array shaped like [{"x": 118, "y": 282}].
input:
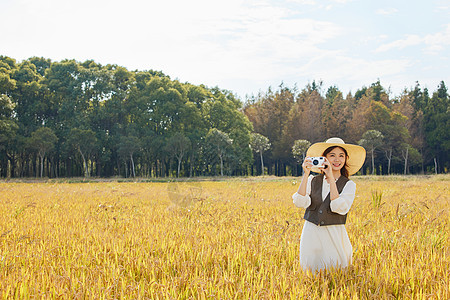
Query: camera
[{"x": 318, "y": 161}]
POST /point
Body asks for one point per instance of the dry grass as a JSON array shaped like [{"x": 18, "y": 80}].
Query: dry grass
[{"x": 234, "y": 239}]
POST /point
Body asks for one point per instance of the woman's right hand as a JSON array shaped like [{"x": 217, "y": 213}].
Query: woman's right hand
[{"x": 307, "y": 164}]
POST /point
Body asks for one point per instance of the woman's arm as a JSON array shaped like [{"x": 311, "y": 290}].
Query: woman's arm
[
  {"x": 334, "y": 194},
  {"x": 342, "y": 204},
  {"x": 306, "y": 170},
  {"x": 303, "y": 201},
  {"x": 329, "y": 176},
  {"x": 301, "y": 198}
]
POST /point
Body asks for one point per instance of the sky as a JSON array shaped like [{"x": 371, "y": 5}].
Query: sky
[{"x": 243, "y": 46}]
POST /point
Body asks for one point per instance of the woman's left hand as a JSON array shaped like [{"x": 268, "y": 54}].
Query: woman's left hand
[{"x": 328, "y": 171}]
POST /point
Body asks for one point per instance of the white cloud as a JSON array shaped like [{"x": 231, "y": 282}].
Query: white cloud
[
  {"x": 241, "y": 45},
  {"x": 341, "y": 68},
  {"x": 258, "y": 42},
  {"x": 305, "y": 2},
  {"x": 437, "y": 42},
  {"x": 442, "y": 5},
  {"x": 342, "y": 1},
  {"x": 314, "y": 2},
  {"x": 433, "y": 43},
  {"x": 410, "y": 40},
  {"x": 387, "y": 11}
]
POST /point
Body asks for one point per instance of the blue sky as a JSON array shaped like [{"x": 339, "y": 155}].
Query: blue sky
[{"x": 243, "y": 46}]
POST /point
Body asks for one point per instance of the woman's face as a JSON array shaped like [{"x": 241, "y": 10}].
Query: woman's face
[{"x": 337, "y": 158}]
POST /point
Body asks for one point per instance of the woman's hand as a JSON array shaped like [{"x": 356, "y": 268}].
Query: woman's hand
[
  {"x": 307, "y": 164},
  {"x": 328, "y": 171}
]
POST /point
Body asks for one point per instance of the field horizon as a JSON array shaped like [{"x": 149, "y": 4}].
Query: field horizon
[{"x": 93, "y": 179}]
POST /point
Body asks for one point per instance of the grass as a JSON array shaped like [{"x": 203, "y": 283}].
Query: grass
[
  {"x": 376, "y": 199},
  {"x": 227, "y": 239}
]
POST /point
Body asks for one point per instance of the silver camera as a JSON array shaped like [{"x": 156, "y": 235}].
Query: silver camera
[{"x": 318, "y": 162}]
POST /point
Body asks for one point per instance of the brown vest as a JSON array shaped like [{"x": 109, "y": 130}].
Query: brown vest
[{"x": 319, "y": 212}]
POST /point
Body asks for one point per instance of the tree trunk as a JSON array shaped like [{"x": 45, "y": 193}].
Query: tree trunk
[
  {"x": 35, "y": 165},
  {"x": 435, "y": 166},
  {"x": 42, "y": 164},
  {"x": 179, "y": 167},
  {"x": 191, "y": 164},
  {"x": 132, "y": 166},
  {"x": 221, "y": 165},
  {"x": 406, "y": 161},
  {"x": 373, "y": 162},
  {"x": 421, "y": 153},
  {"x": 262, "y": 163},
  {"x": 13, "y": 165},
  {"x": 389, "y": 157},
  {"x": 85, "y": 166}
]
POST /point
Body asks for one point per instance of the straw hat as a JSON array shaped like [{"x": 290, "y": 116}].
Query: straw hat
[{"x": 356, "y": 154}]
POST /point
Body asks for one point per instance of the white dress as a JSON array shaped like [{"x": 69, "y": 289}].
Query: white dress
[{"x": 326, "y": 246}]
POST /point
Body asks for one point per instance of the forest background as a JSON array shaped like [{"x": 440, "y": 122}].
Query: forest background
[{"x": 70, "y": 118}]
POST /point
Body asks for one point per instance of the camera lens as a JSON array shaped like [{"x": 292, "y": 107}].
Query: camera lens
[{"x": 315, "y": 162}]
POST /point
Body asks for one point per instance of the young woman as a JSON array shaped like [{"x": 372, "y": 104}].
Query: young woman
[{"x": 327, "y": 199}]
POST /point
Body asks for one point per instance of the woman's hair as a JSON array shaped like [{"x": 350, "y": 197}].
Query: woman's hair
[{"x": 344, "y": 169}]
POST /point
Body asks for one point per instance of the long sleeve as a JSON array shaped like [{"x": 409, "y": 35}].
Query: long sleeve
[
  {"x": 342, "y": 204},
  {"x": 303, "y": 201}
]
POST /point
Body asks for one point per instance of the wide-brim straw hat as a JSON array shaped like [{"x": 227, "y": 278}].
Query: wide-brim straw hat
[{"x": 355, "y": 159}]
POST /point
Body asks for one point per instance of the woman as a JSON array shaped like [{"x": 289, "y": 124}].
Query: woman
[{"x": 327, "y": 199}]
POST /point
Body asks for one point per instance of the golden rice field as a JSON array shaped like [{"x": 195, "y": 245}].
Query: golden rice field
[{"x": 229, "y": 239}]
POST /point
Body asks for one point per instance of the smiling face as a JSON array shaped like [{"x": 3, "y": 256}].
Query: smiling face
[{"x": 337, "y": 158}]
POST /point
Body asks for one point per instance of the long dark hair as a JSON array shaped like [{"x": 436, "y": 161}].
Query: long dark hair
[{"x": 344, "y": 170}]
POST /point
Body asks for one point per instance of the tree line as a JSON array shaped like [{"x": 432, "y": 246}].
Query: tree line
[
  {"x": 406, "y": 134},
  {"x": 70, "y": 118}
]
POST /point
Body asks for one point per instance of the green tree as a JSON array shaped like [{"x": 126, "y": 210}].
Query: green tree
[
  {"x": 43, "y": 140},
  {"x": 6, "y": 108},
  {"x": 378, "y": 93},
  {"x": 41, "y": 64},
  {"x": 178, "y": 145},
  {"x": 84, "y": 141},
  {"x": 269, "y": 114},
  {"x": 154, "y": 152},
  {"x": 222, "y": 112},
  {"x": 395, "y": 132},
  {"x": 299, "y": 150},
  {"x": 409, "y": 117},
  {"x": 371, "y": 140},
  {"x": 29, "y": 96},
  {"x": 8, "y": 130},
  {"x": 360, "y": 93},
  {"x": 128, "y": 146},
  {"x": 332, "y": 94},
  {"x": 7, "y": 69},
  {"x": 220, "y": 143},
  {"x": 414, "y": 158},
  {"x": 410, "y": 156},
  {"x": 259, "y": 144},
  {"x": 437, "y": 125},
  {"x": 66, "y": 82}
]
